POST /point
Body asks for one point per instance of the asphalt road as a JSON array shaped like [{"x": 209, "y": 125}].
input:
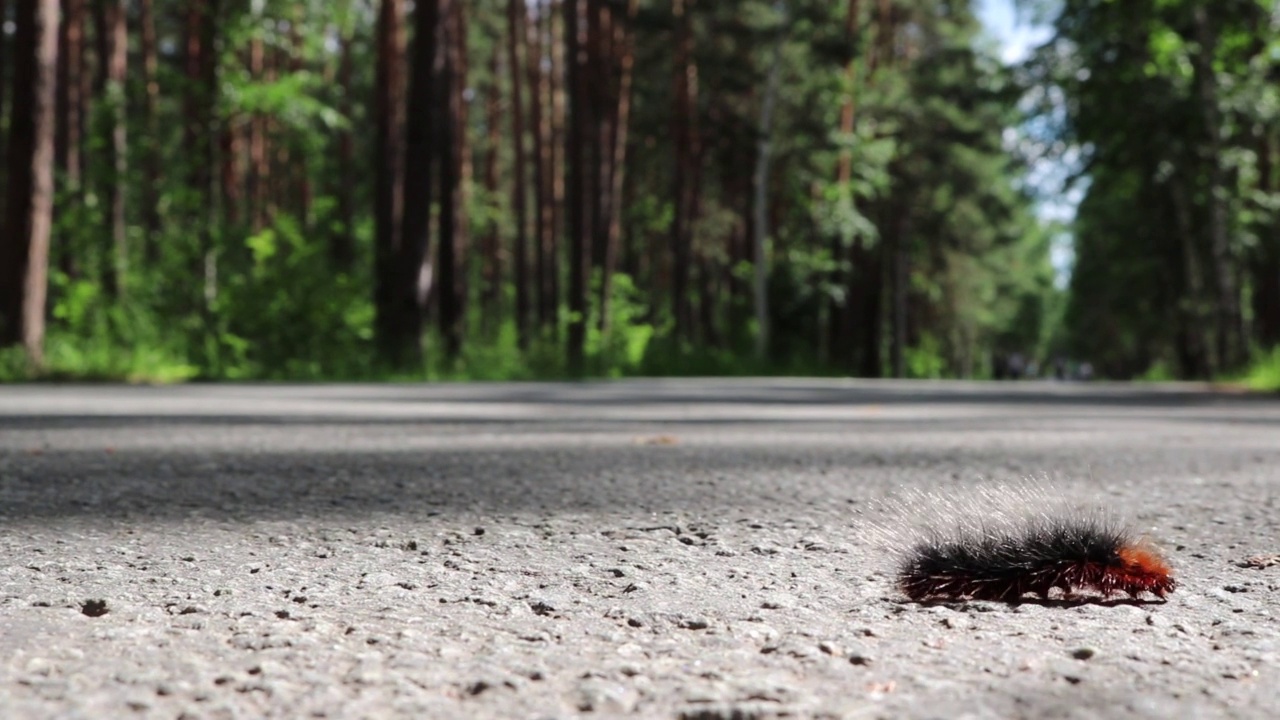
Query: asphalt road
[{"x": 680, "y": 549}]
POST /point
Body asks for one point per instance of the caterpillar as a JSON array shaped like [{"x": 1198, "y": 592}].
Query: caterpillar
[
  {"x": 1006, "y": 543},
  {"x": 1071, "y": 554}
]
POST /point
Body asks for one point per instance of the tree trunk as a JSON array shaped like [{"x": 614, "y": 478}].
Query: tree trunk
[
  {"x": 844, "y": 169},
  {"x": 899, "y": 275},
  {"x": 1266, "y": 266},
  {"x": 414, "y": 271},
  {"x": 151, "y": 150},
  {"x": 24, "y": 246},
  {"x": 868, "y": 262},
  {"x": 708, "y": 327},
  {"x": 73, "y": 94},
  {"x": 597, "y": 80},
  {"x": 342, "y": 242},
  {"x": 491, "y": 243},
  {"x": 1266, "y": 295},
  {"x": 556, "y": 44},
  {"x": 1196, "y": 360},
  {"x": 200, "y": 140},
  {"x": 84, "y": 90},
  {"x": 70, "y": 115},
  {"x": 840, "y": 315},
  {"x": 760, "y": 224},
  {"x": 575, "y": 142},
  {"x": 278, "y": 189},
  {"x": 516, "y": 37},
  {"x": 301, "y": 165},
  {"x": 396, "y": 340},
  {"x": 873, "y": 312},
  {"x": 4, "y": 84},
  {"x": 624, "y": 48},
  {"x": 540, "y": 129},
  {"x": 453, "y": 152},
  {"x": 232, "y": 175},
  {"x": 114, "y": 40},
  {"x": 259, "y": 161},
  {"x": 1228, "y": 322},
  {"x": 685, "y": 182}
]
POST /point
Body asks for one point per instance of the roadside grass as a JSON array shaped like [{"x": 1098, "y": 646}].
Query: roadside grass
[{"x": 1263, "y": 374}]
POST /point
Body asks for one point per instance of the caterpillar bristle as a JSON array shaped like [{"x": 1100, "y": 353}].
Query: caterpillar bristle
[{"x": 1072, "y": 554}]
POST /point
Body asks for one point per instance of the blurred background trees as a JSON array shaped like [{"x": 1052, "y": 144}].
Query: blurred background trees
[
  {"x": 524, "y": 188},
  {"x": 1169, "y": 109}
]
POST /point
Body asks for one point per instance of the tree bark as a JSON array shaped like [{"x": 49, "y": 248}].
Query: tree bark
[
  {"x": 84, "y": 90},
  {"x": 840, "y": 315},
  {"x": 760, "y": 223},
  {"x": 1266, "y": 265},
  {"x": 709, "y": 293},
  {"x": 24, "y": 246},
  {"x": 4, "y": 84},
  {"x": 114, "y": 42},
  {"x": 540, "y": 127},
  {"x": 259, "y": 160},
  {"x": 575, "y": 142},
  {"x": 342, "y": 242},
  {"x": 597, "y": 77},
  {"x": 866, "y": 283},
  {"x": 624, "y": 47},
  {"x": 516, "y": 36},
  {"x": 868, "y": 262},
  {"x": 151, "y": 152},
  {"x": 685, "y": 182},
  {"x": 898, "y": 223},
  {"x": 453, "y": 151},
  {"x": 70, "y": 116},
  {"x": 1229, "y": 322},
  {"x": 491, "y": 243},
  {"x": 420, "y": 150},
  {"x": 556, "y": 44},
  {"x": 277, "y": 158},
  {"x": 844, "y": 169},
  {"x": 1195, "y": 347},
  {"x": 899, "y": 276},
  {"x": 201, "y": 139},
  {"x": 73, "y": 97},
  {"x": 414, "y": 271},
  {"x": 397, "y": 343},
  {"x": 301, "y": 164}
]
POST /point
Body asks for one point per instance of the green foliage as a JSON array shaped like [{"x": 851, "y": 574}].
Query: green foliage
[
  {"x": 235, "y": 276},
  {"x": 1172, "y": 108},
  {"x": 292, "y": 100},
  {"x": 619, "y": 349},
  {"x": 1263, "y": 373},
  {"x": 14, "y": 365},
  {"x": 925, "y": 361},
  {"x": 288, "y": 316},
  {"x": 1158, "y": 372},
  {"x": 96, "y": 340}
]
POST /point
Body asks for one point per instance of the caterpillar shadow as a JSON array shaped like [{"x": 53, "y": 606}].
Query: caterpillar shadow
[{"x": 1059, "y": 602}]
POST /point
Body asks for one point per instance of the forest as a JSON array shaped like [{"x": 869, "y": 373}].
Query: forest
[{"x": 516, "y": 189}]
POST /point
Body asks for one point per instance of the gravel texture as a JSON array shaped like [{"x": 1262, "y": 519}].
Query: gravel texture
[{"x": 682, "y": 549}]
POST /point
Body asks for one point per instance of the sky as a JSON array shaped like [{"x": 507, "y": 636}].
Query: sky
[{"x": 1016, "y": 36}]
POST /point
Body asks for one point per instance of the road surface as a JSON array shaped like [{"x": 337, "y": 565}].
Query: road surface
[{"x": 667, "y": 549}]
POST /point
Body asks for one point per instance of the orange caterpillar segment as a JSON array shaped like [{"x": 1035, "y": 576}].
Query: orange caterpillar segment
[{"x": 1141, "y": 570}]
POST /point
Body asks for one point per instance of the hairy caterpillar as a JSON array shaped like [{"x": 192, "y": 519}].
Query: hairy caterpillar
[
  {"x": 1003, "y": 543},
  {"x": 1069, "y": 553}
]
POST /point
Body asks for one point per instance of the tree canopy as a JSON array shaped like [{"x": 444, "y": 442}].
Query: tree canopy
[
  {"x": 523, "y": 188},
  {"x": 1173, "y": 105}
]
